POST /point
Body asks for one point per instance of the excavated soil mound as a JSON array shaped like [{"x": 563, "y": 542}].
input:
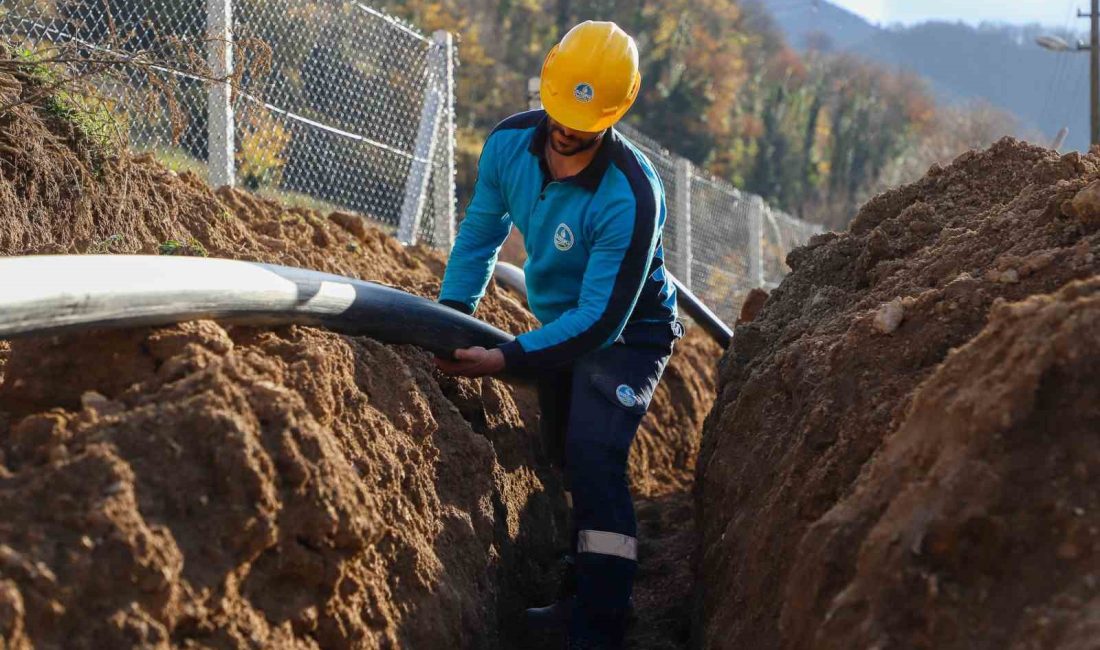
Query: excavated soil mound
[
  {"x": 238, "y": 487},
  {"x": 903, "y": 452},
  {"x": 290, "y": 489}
]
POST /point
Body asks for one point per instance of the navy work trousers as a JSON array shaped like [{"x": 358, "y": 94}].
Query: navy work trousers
[{"x": 590, "y": 414}]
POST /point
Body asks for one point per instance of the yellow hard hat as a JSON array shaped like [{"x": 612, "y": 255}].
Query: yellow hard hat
[{"x": 591, "y": 78}]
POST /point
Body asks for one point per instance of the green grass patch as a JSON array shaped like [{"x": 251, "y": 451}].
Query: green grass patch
[
  {"x": 179, "y": 161},
  {"x": 93, "y": 117},
  {"x": 38, "y": 72},
  {"x": 189, "y": 248},
  {"x": 108, "y": 245}
]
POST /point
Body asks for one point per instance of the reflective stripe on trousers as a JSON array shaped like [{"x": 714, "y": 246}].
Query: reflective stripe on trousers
[{"x": 605, "y": 543}]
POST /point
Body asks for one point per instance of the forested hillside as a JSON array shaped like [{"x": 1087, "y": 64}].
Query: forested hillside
[
  {"x": 815, "y": 133},
  {"x": 998, "y": 63}
]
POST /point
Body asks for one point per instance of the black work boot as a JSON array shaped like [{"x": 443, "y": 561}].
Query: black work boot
[{"x": 557, "y": 614}]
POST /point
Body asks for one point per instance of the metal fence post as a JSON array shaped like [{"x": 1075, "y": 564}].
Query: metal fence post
[
  {"x": 682, "y": 200},
  {"x": 756, "y": 241},
  {"x": 220, "y": 142},
  {"x": 534, "y": 93},
  {"x": 416, "y": 185},
  {"x": 773, "y": 225},
  {"x": 445, "y": 219}
]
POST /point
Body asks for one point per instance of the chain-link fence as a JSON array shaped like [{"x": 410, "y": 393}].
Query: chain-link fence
[
  {"x": 335, "y": 105},
  {"x": 719, "y": 241},
  {"x": 323, "y": 103}
]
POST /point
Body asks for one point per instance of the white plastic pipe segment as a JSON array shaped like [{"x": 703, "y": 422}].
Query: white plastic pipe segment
[
  {"x": 44, "y": 294},
  {"x": 511, "y": 276}
]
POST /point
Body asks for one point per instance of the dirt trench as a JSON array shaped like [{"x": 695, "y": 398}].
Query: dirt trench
[
  {"x": 903, "y": 451},
  {"x": 227, "y": 486}
]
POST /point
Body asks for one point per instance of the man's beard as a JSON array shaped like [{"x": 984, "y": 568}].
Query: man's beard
[{"x": 574, "y": 145}]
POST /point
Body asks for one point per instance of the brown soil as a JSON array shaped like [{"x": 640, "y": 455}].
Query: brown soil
[
  {"x": 662, "y": 465},
  {"x": 662, "y": 590},
  {"x": 239, "y": 487},
  {"x": 900, "y": 455}
]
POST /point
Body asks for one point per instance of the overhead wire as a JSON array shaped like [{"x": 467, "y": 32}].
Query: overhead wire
[
  {"x": 1062, "y": 68},
  {"x": 1077, "y": 88},
  {"x": 1054, "y": 77}
]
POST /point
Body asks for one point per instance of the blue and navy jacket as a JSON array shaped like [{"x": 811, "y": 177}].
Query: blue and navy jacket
[{"x": 595, "y": 260}]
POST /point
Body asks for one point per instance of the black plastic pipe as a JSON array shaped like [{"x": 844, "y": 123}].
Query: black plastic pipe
[
  {"x": 512, "y": 276},
  {"x": 50, "y": 294},
  {"x": 702, "y": 315}
]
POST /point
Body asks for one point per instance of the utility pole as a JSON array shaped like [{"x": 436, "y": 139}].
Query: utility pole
[
  {"x": 1058, "y": 44},
  {"x": 1094, "y": 74}
]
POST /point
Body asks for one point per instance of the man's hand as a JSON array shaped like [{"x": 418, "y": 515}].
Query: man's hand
[{"x": 473, "y": 362}]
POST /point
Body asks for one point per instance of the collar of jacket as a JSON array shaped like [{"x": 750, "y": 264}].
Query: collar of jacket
[{"x": 589, "y": 178}]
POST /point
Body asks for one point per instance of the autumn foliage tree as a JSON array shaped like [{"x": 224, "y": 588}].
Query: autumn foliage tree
[{"x": 815, "y": 133}]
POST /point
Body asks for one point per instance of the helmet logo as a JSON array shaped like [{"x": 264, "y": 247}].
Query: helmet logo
[
  {"x": 583, "y": 92},
  {"x": 563, "y": 238},
  {"x": 626, "y": 395}
]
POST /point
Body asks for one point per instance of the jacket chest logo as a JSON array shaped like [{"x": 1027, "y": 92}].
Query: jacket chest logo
[{"x": 563, "y": 238}]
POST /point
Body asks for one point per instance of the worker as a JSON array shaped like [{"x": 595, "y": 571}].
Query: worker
[{"x": 591, "y": 210}]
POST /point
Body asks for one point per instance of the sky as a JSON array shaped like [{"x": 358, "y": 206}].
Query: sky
[{"x": 1048, "y": 12}]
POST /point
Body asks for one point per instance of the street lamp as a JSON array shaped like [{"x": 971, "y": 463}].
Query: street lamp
[{"x": 1057, "y": 44}]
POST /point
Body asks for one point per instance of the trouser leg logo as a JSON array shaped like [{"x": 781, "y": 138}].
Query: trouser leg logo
[{"x": 627, "y": 396}]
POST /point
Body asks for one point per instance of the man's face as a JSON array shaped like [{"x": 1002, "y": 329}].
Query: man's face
[{"x": 569, "y": 142}]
